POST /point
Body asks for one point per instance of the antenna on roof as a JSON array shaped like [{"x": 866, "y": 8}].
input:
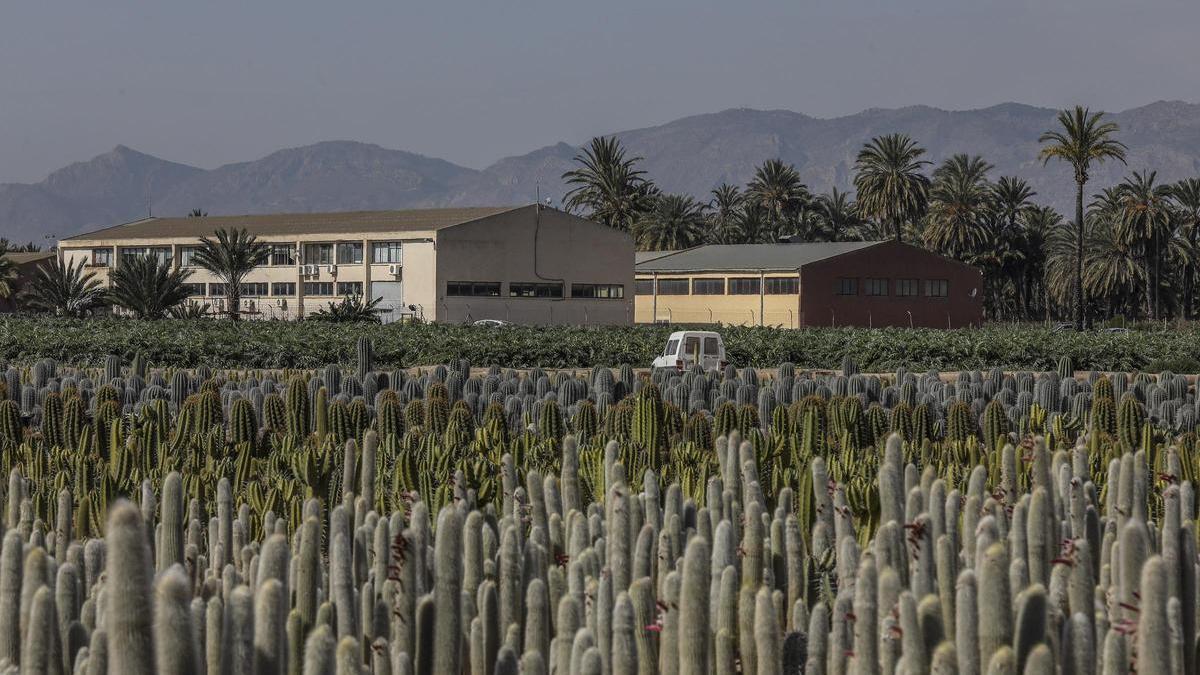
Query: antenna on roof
[{"x": 537, "y": 193}]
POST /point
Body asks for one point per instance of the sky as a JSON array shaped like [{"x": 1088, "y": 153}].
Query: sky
[{"x": 208, "y": 83}]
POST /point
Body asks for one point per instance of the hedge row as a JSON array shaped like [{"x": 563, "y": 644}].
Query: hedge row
[{"x": 262, "y": 344}]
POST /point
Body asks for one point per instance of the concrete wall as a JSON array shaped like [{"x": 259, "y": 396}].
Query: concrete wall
[
  {"x": 503, "y": 248},
  {"x": 821, "y": 305}
]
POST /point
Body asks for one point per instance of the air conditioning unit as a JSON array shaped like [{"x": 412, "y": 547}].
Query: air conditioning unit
[
  {"x": 281, "y": 303},
  {"x": 394, "y": 270},
  {"x": 311, "y": 270}
]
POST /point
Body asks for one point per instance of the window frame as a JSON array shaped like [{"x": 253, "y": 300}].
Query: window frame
[
  {"x": 744, "y": 286},
  {"x": 672, "y": 284},
  {"x": 275, "y": 288},
  {"x": 318, "y": 286},
  {"x": 321, "y": 248},
  {"x": 217, "y": 289},
  {"x": 598, "y": 291},
  {"x": 194, "y": 286},
  {"x": 280, "y": 250},
  {"x": 349, "y": 248},
  {"x": 941, "y": 284},
  {"x": 94, "y": 261},
  {"x": 875, "y": 287},
  {"x": 904, "y": 290},
  {"x": 536, "y": 289},
  {"x": 790, "y": 286},
  {"x": 341, "y": 292},
  {"x": 249, "y": 289},
  {"x": 698, "y": 284},
  {"x": 473, "y": 289},
  {"x": 391, "y": 247},
  {"x": 846, "y": 286}
]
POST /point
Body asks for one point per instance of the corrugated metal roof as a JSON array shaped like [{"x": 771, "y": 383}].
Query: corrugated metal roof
[
  {"x": 722, "y": 257},
  {"x": 278, "y": 224}
]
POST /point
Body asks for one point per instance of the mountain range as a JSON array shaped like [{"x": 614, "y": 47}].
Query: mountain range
[{"x": 689, "y": 155}]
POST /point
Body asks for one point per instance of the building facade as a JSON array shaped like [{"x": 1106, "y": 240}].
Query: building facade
[
  {"x": 530, "y": 264},
  {"x": 871, "y": 284}
]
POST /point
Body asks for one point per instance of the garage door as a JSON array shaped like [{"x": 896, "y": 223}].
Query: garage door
[{"x": 391, "y": 297}]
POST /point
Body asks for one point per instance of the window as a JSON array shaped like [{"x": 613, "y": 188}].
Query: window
[
  {"x": 937, "y": 288},
  {"x": 473, "y": 289},
  {"x": 349, "y": 254},
  {"x": 708, "y": 287},
  {"x": 535, "y": 290},
  {"x": 187, "y": 256},
  {"x": 876, "y": 287},
  {"x": 847, "y": 286},
  {"x": 672, "y": 286},
  {"x": 318, "y": 254},
  {"x": 783, "y": 286},
  {"x": 101, "y": 257},
  {"x": 691, "y": 346},
  {"x": 282, "y": 254},
  {"x": 193, "y": 289},
  {"x": 643, "y": 287},
  {"x": 216, "y": 290},
  {"x": 744, "y": 286},
  {"x": 711, "y": 347},
  {"x": 598, "y": 291},
  {"x": 318, "y": 288},
  {"x": 385, "y": 252},
  {"x": 349, "y": 288},
  {"x": 254, "y": 288},
  {"x": 906, "y": 287},
  {"x": 672, "y": 345},
  {"x": 283, "y": 288},
  {"x": 162, "y": 253}
]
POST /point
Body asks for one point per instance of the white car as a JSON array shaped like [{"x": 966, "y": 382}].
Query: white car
[
  {"x": 688, "y": 347},
  {"x": 491, "y": 323}
]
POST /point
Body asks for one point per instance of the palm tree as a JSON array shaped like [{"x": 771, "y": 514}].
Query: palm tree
[
  {"x": 958, "y": 203},
  {"x": 1010, "y": 202},
  {"x": 64, "y": 290},
  {"x": 674, "y": 222},
  {"x": 777, "y": 189},
  {"x": 1040, "y": 223},
  {"x": 190, "y": 310},
  {"x": 197, "y": 213},
  {"x": 839, "y": 215},
  {"x": 608, "y": 185},
  {"x": 231, "y": 257},
  {"x": 726, "y": 212},
  {"x": 147, "y": 286},
  {"x": 1186, "y": 194},
  {"x": 1085, "y": 138},
  {"x": 891, "y": 188},
  {"x": 1144, "y": 222},
  {"x": 350, "y": 309},
  {"x": 8, "y": 272}
]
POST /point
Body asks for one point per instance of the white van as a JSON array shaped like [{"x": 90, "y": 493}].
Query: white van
[{"x": 688, "y": 347}]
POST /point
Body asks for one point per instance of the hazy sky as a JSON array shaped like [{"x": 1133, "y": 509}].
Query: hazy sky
[{"x": 212, "y": 82}]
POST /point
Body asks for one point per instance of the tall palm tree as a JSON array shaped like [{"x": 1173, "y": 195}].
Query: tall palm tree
[
  {"x": 1144, "y": 221},
  {"x": 1039, "y": 227},
  {"x": 8, "y": 272},
  {"x": 726, "y": 212},
  {"x": 958, "y": 205},
  {"x": 839, "y": 215},
  {"x": 1010, "y": 201},
  {"x": 65, "y": 290},
  {"x": 674, "y": 222},
  {"x": 777, "y": 189},
  {"x": 608, "y": 185},
  {"x": 148, "y": 286},
  {"x": 231, "y": 257},
  {"x": 1186, "y": 194},
  {"x": 891, "y": 188},
  {"x": 1083, "y": 140}
]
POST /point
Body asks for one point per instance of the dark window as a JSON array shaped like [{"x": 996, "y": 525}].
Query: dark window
[
  {"x": 906, "y": 287},
  {"x": 349, "y": 288},
  {"x": 673, "y": 286},
  {"x": 643, "y": 287},
  {"x": 282, "y": 254},
  {"x": 385, "y": 252},
  {"x": 283, "y": 288},
  {"x": 783, "y": 286},
  {"x": 193, "y": 289},
  {"x": 318, "y": 288},
  {"x": 598, "y": 291},
  {"x": 535, "y": 290},
  {"x": 744, "y": 286},
  {"x": 101, "y": 257},
  {"x": 349, "y": 254},
  {"x": 847, "y": 286},
  {"x": 937, "y": 288},
  {"x": 318, "y": 254},
  {"x": 476, "y": 289},
  {"x": 876, "y": 287},
  {"x": 187, "y": 256},
  {"x": 217, "y": 290},
  {"x": 708, "y": 287},
  {"x": 254, "y": 288}
]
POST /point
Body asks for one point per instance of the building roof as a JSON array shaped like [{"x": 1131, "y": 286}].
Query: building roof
[
  {"x": 741, "y": 257},
  {"x": 640, "y": 257},
  {"x": 24, "y": 257},
  {"x": 279, "y": 224}
]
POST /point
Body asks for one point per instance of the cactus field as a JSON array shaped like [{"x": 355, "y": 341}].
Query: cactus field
[{"x": 362, "y": 518}]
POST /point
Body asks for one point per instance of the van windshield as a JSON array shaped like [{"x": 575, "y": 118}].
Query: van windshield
[{"x": 672, "y": 345}]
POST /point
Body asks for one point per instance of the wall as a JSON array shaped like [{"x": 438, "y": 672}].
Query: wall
[
  {"x": 822, "y": 306},
  {"x": 26, "y": 270},
  {"x": 738, "y": 310},
  {"x": 502, "y": 248}
]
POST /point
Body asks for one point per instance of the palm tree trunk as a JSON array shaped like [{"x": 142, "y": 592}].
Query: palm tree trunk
[
  {"x": 1079, "y": 255},
  {"x": 235, "y": 302}
]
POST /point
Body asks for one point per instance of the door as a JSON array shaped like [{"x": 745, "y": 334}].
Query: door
[
  {"x": 391, "y": 299},
  {"x": 690, "y": 352},
  {"x": 714, "y": 354}
]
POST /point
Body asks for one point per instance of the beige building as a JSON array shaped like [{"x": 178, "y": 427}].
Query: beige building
[{"x": 530, "y": 264}]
